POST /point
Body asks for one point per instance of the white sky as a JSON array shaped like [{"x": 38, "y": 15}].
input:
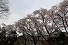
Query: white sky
[{"x": 20, "y": 8}]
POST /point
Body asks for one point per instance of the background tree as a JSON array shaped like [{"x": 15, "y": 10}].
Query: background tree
[{"x": 4, "y": 9}]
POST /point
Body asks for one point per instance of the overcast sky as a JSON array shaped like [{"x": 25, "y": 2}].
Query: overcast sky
[{"x": 20, "y": 8}]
